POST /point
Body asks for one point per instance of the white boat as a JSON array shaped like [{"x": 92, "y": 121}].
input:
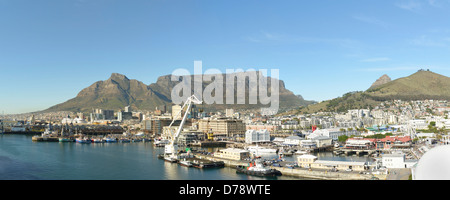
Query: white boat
[
  {"x": 161, "y": 143},
  {"x": 170, "y": 158},
  {"x": 336, "y": 145},
  {"x": 186, "y": 163},
  {"x": 83, "y": 140},
  {"x": 300, "y": 152},
  {"x": 97, "y": 140},
  {"x": 109, "y": 140},
  {"x": 261, "y": 150},
  {"x": 257, "y": 169}
]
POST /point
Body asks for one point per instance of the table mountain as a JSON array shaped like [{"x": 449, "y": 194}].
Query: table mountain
[{"x": 119, "y": 91}]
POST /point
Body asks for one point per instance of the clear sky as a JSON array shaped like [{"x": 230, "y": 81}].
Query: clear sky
[{"x": 51, "y": 49}]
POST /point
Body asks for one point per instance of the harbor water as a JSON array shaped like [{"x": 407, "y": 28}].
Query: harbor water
[{"x": 23, "y": 159}]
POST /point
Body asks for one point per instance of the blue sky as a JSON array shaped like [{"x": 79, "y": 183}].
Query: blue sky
[{"x": 51, "y": 49}]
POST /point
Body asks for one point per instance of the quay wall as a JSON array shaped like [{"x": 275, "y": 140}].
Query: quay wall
[
  {"x": 324, "y": 175},
  {"x": 300, "y": 172}
]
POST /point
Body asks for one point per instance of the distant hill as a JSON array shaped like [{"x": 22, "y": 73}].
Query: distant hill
[
  {"x": 118, "y": 91},
  {"x": 418, "y": 86},
  {"x": 382, "y": 80},
  {"x": 305, "y": 102}
]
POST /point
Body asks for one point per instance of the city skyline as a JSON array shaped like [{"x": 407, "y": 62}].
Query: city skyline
[{"x": 50, "y": 50}]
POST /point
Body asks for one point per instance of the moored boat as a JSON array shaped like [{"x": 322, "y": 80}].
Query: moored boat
[
  {"x": 110, "y": 140},
  {"x": 185, "y": 163},
  {"x": 97, "y": 140},
  {"x": 257, "y": 169},
  {"x": 83, "y": 140},
  {"x": 61, "y": 139},
  {"x": 124, "y": 140}
]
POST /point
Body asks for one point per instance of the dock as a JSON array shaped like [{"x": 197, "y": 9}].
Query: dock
[
  {"x": 358, "y": 152},
  {"x": 210, "y": 144},
  {"x": 199, "y": 162},
  {"x": 44, "y": 139}
]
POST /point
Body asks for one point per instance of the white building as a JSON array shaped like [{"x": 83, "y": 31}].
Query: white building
[
  {"x": 254, "y": 136},
  {"x": 396, "y": 161},
  {"x": 69, "y": 120},
  {"x": 175, "y": 110},
  {"x": 233, "y": 154},
  {"x": 332, "y": 133},
  {"x": 322, "y": 141},
  {"x": 292, "y": 140}
]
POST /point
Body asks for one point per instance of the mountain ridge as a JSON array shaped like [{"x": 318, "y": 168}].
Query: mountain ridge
[
  {"x": 119, "y": 91},
  {"x": 420, "y": 85}
]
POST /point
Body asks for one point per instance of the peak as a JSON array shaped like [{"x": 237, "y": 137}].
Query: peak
[
  {"x": 385, "y": 76},
  {"x": 118, "y": 76},
  {"x": 380, "y": 81}
]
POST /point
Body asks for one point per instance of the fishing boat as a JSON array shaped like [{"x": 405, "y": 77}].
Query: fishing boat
[
  {"x": 109, "y": 140},
  {"x": 83, "y": 140},
  {"x": 161, "y": 143},
  {"x": 257, "y": 169},
  {"x": 124, "y": 140},
  {"x": 97, "y": 140},
  {"x": 61, "y": 139}
]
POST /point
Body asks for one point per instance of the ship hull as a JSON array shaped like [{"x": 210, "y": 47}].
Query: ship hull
[{"x": 244, "y": 170}]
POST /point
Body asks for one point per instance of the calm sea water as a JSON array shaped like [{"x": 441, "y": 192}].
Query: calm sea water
[{"x": 23, "y": 159}]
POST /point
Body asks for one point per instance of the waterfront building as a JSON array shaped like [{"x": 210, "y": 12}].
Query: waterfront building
[
  {"x": 253, "y": 136},
  {"x": 233, "y": 154},
  {"x": 308, "y": 144},
  {"x": 158, "y": 124},
  {"x": 323, "y": 141},
  {"x": 332, "y": 133},
  {"x": 224, "y": 127},
  {"x": 397, "y": 142},
  {"x": 188, "y": 137},
  {"x": 268, "y": 127},
  {"x": 310, "y": 161},
  {"x": 292, "y": 140},
  {"x": 360, "y": 143},
  {"x": 396, "y": 160}
]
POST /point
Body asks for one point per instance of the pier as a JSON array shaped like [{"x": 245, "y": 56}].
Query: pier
[
  {"x": 44, "y": 139},
  {"x": 358, "y": 152}
]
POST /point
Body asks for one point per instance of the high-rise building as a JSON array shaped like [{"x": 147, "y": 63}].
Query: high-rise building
[
  {"x": 108, "y": 114},
  {"x": 175, "y": 110},
  {"x": 128, "y": 109},
  {"x": 229, "y": 112}
]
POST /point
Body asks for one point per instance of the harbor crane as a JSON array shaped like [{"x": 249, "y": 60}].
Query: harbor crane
[{"x": 170, "y": 150}]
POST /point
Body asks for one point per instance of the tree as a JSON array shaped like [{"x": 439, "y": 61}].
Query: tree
[{"x": 342, "y": 138}]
